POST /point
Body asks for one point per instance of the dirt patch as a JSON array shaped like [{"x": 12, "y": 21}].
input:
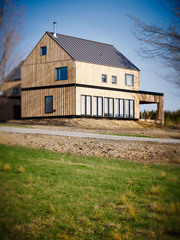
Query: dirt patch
[
  {"x": 133, "y": 151},
  {"x": 103, "y": 126}
]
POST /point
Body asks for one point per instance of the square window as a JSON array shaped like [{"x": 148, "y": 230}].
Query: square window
[
  {"x": 62, "y": 73},
  {"x": 15, "y": 91},
  {"x": 114, "y": 79},
  {"x": 129, "y": 79},
  {"x": 44, "y": 50},
  {"x": 104, "y": 78},
  {"x": 49, "y": 104}
]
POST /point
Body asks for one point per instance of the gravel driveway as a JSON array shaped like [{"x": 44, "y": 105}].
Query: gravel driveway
[{"x": 85, "y": 135}]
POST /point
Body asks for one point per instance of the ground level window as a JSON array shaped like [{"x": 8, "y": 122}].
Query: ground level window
[
  {"x": 15, "y": 91},
  {"x": 86, "y": 105},
  {"x": 109, "y": 107},
  {"x": 48, "y": 104},
  {"x": 119, "y": 107},
  {"x": 97, "y": 106},
  {"x": 129, "y": 108}
]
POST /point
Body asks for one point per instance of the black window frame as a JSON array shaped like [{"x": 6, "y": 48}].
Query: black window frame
[
  {"x": 15, "y": 91},
  {"x": 126, "y": 75},
  {"x": 46, "y": 103},
  {"x": 112, "y": 79},
  {"x": 108, "y": 115},
  {"x": 98, "y": 106},
  {"x": 130, "y": 100},
  {"x": 119, "y": 116},
  {"x": 44, "y": 48},
  {"x": 104, "y": 75},
  {"x": 85, "y": 105},
  {"x": 56, "y": 75}
]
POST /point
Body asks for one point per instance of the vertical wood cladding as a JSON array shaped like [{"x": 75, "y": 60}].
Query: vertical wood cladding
[
  {"x": 39, "y": 70},
  {"x": 33, "y": 104}
]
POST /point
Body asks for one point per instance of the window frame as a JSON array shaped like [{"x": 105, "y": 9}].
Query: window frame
[
  {"x": 42, "y": 49},
  {"x": 97, "y": 106},
  {"x": 58, "y": 74},
  {"x": 51, "y": 96},
  {"x": 119, "y": 109},
  {"x": 108, "y": 107},
  {"x": 104, "y": 76},
  {"x": 132, "y": 75},
  {"x": 129, "y": 103},
  {"x": 15, "y": 91},
  {"x": 85, "y": 114},
  {"x": 115, "y": 82}
]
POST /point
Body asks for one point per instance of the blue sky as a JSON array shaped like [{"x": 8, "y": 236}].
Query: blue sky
[{"x": 103, "y": 21}]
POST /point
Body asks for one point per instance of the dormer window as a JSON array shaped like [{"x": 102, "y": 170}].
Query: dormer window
[
  {"x": 129, "y": 79},
  {"x": 44, "y": 50}
]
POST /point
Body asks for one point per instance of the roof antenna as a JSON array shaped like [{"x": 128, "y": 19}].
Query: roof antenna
[{"x": 54, "y": 29}]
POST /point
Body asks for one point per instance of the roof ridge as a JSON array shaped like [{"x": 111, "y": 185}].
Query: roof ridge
[{"x": 81, "y": 39}]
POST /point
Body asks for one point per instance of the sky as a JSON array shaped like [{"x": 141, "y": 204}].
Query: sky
[{"x": 107, "y": 22}]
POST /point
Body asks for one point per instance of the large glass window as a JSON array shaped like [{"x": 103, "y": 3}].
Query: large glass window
[
  {"x": 109, "y": 107},
  {"x": 129, "y": 80},
  {"x": 129, "y": 108},
  {"x": 86, "y": 105},
  {"x": 119, "y": 107},
  {"x": 43, "y": 50},
  {"x": 62, "y": 73},
  {"x": 104, "y": 78},
  {"x": 48, "y": 104},
  {"x": 97, "y": 106}
]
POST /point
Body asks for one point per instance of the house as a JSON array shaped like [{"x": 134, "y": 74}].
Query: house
[
  {"x": 66, "y": 76},
  {"x": 10, "y": 98}
]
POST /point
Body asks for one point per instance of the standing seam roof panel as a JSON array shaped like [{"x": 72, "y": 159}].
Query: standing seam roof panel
[{"x": 93, "y": 52}]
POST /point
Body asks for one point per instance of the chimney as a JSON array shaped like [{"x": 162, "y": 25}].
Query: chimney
[{"x": 54, "y": 29}]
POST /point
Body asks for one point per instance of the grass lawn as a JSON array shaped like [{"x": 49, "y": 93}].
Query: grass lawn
[
  {"x": 47, "y": 195},
  {"x": 128, "y": 135}
]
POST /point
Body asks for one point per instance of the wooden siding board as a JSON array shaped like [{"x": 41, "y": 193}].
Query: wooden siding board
[{"x": 35, "y": 102}]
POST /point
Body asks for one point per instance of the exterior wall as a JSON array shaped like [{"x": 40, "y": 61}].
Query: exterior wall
[
  {"x": 91, "y": 74},
  {"x": 7, "y": 108},
  {"x": 39, "y": 70},
  {"x": 105, "y": 93},
  {"x": 33, "y": 104},
  {"x": 147, "y": 98},
  {"x": 7, "y": 88}
]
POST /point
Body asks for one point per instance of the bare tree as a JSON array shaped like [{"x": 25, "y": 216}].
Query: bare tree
[
  {"x": 10, "y": 26},
  {"x": 162, "y": 42}
]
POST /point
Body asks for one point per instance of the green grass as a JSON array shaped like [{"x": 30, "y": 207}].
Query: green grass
[
  {"x": 128, "y": 135},
  {"x": 47, "y": 195}
]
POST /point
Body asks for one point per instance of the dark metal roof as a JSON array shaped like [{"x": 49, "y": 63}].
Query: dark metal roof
[
  {"x": 15, "y": 74},
  {"x": 93, "y": 52}
]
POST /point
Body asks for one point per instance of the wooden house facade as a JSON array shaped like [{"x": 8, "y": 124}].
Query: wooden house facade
[
  {"x": 65, "y": 76},
  {"x": 10, "y": 98}
]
